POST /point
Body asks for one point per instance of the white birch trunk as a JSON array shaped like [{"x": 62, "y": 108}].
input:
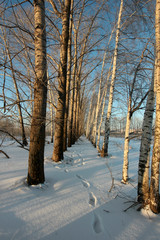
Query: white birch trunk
[
  {"x": 98, "y": 103},
  {"x": 128, "y": 121},
  {"x": 51, "y": 108},
  {"x": 107, "y": 122},
  {"x": 89, "y": 115},
  {"x": 88, "y": 120},
  {"x": 71, "y": 130},
  {"x": 68, "y": 81},
  {"x": 91, "y": 124},
  {"x": 103, "y": 107},
  {"x": 60, "y": 112},
  {"x": 126, "y": 145},
  {"x": 144, "y": 157},
  {"x": 154, "y": 185}
]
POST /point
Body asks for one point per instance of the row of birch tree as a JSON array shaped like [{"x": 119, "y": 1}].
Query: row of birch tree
[
  {"x": 141, "y": 93},
  {"x": 92, "y": 57}
]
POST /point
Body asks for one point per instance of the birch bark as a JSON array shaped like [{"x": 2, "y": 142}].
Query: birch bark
[
  {"x": 68, "y": 80},
  {"x": 98, "y": 104},
  {"x": 37, "y": 134},
  {"x": 71, "y": 127},
  {"x": 103, "y": 107},
  {"x": 144, "y": 157},
  {"x": 104, "y": 151},
  {"x": 51, "y": 109},
  {"x": 126, "y": 144},
  {"x": 154, "y": 184},
  {"x": 89, "y": 115},
  {"x": 131, "y": 110},
  {"x": 59, "y": 118}
]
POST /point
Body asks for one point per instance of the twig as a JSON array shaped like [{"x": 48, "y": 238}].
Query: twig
[
  {"x": 1, "y": 130},
  {"x": 2, "y": 141},
  {"x": 4, "y": 153},
  {"x": 132, "y": 205},
  {"x": 112, "y": 185},
  {"x": 106, "y": 211}
]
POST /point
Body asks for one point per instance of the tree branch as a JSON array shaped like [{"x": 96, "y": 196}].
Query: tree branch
[
  {"x": 4, "y": 153},
  {"x": 59, "y": 14},
  {"x": 1, "y": 130}
]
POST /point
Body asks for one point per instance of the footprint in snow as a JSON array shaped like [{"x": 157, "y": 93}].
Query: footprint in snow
[
  {"x": 85, "y": 183},
  {"x": 92, "y": 199},
  {"x": 78, "y": 176},
  {"x": 97, "y": 227}
]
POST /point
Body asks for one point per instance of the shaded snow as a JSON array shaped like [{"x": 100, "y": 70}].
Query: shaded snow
[{"x": 78, "y": 199}]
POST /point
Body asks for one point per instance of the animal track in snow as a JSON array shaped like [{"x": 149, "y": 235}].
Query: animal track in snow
[
  {"x": 97, "y": 224},
  {"x": 92, "y": 199}
]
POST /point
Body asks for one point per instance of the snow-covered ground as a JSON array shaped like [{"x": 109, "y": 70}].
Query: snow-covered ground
[{"x": 82, "y": 198}]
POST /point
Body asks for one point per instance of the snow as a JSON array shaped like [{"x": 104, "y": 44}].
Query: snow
[{"x": 82, "y": 197}]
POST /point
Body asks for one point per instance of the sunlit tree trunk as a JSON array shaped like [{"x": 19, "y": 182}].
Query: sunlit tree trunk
[
  {"x": 72, "y": 108},
  {"x": 37, "y": 134},
  {"x": 104, "y": 151},
  {"x": 91, "y": 124},
  {"x": 51, "y": 109},
  {"x": 126, "y": 144},
  {"x": 154, "y": 184},
  {"x": 74, "y": 111},
  {"x": 74, "y": 94},
  {"x": 103, "y": 107},
  {"x": 59, "y": 118},
  {"x": 68, "y": 80},
  {"x": 89, "y": 115},
  {"x": 144, "y": 157},
  {"x": 78, "y": 109},
  {"x": 131, "y": 110},
  {"x": 98, "y": 103},
  {"x": 70, "y": 118}
]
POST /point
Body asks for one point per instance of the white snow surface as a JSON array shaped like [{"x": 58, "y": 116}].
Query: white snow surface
[{"x": 82, "y": 197}]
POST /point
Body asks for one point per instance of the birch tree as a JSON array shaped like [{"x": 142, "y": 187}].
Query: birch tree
[
  {"x": 88, "y": 125},
  {"x": 144, "y": 156},
  {"x": 60, "y": 112},
  {"x": 131, "y": 109},
  {"x": 78, "y": 65},
  {"x": 37, "y": 134},
  {"x": 98, "y": 103},
  {"x": 103, "y": 108},
  {"x": 72, "y": 107},
  {"x": 104, "y": 151},
  {"x": 68, "y": 80},
  {"x": 154, "y": 182}
]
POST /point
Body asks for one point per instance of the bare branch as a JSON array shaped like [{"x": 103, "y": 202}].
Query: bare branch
[
  {"x": 59, "y": 14},
  {"x": 4, "y": 153},
  {"x": 1, "y": 130}
]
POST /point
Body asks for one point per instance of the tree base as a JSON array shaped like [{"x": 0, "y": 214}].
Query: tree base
[
  {"x": 124, "y": 181},
  {"x": 36, "y": 181},
  {"x": 155, "y": 208},
  {"x": 103, "y": 153}
]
